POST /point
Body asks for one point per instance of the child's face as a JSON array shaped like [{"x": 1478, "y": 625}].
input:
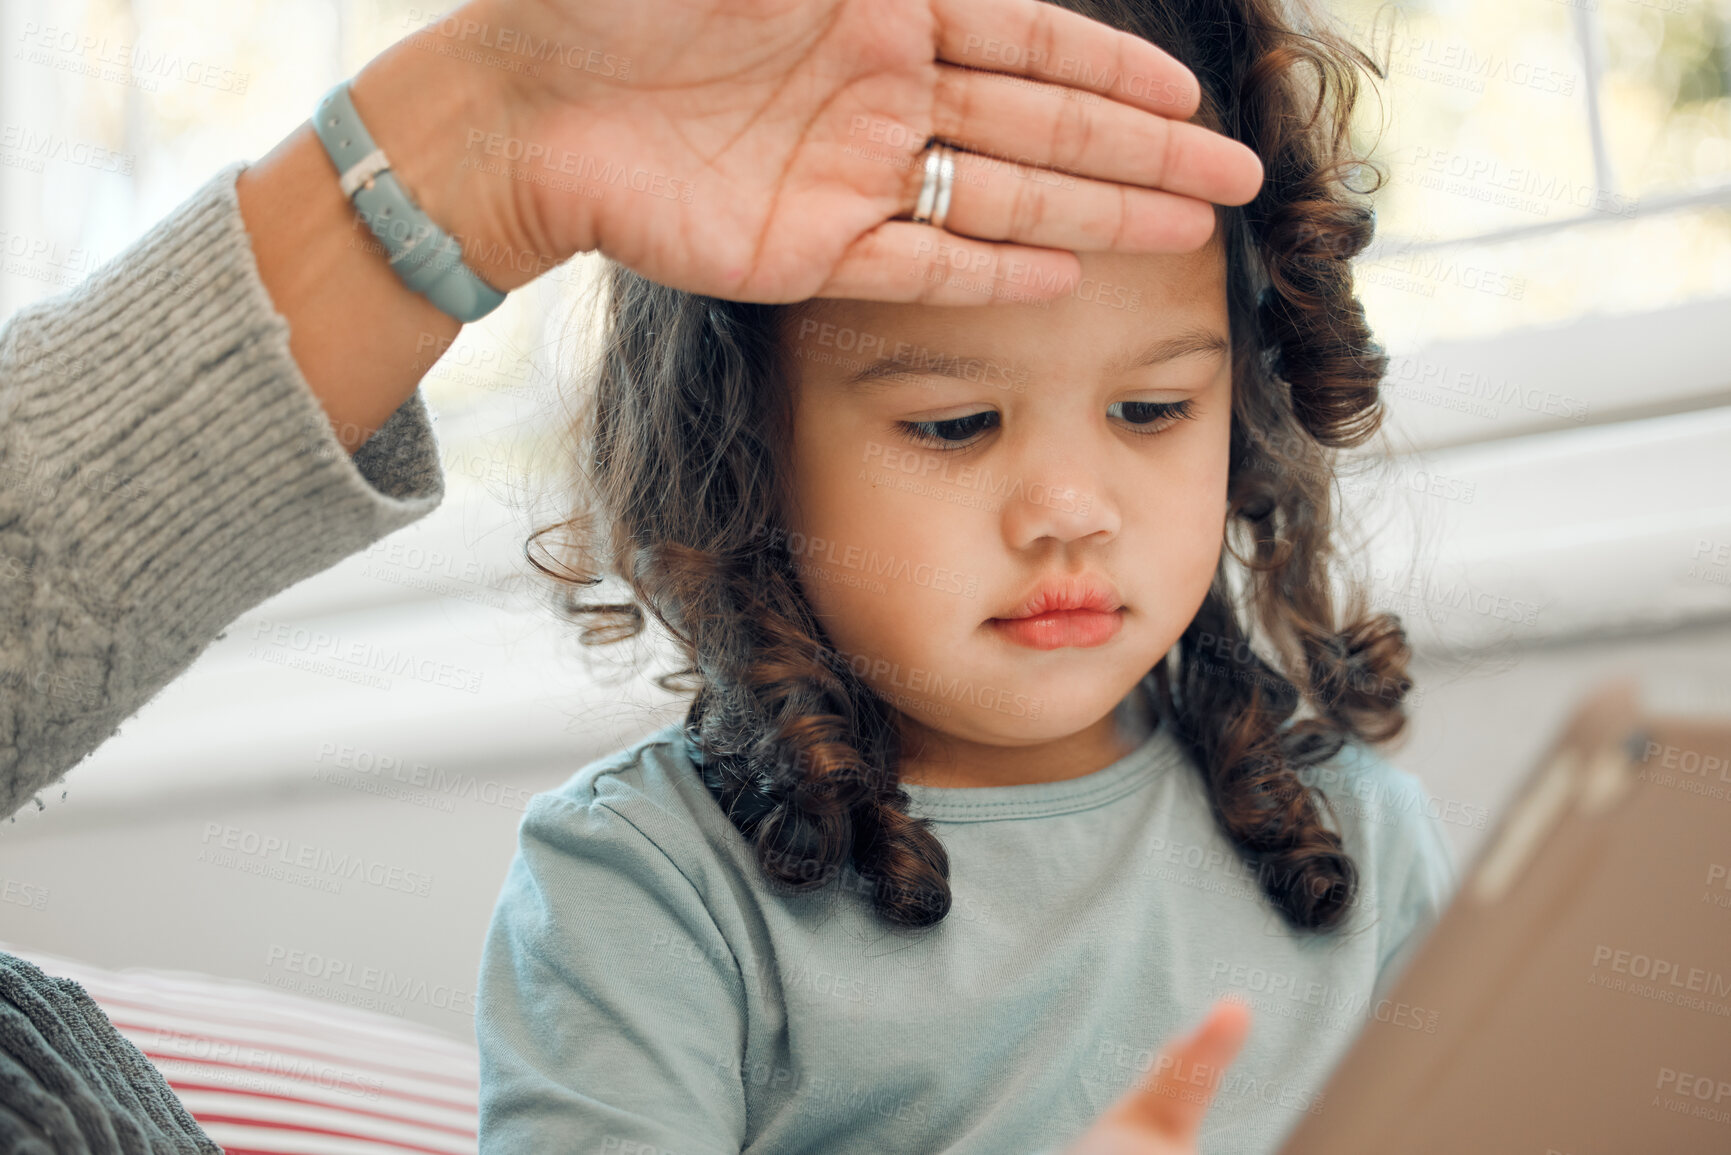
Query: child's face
[{"x": 908, "y": 549}]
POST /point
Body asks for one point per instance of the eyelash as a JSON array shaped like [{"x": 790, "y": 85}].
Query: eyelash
[{"x": 1167, "y": 413}]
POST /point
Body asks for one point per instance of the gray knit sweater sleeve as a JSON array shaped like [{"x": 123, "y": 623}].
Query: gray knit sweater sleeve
[
  {"x": 164, "y": 467},
  {"x": 70, "y": 1084}
]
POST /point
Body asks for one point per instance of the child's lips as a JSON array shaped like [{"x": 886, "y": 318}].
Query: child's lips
[{"x": 1058, "y": 628}]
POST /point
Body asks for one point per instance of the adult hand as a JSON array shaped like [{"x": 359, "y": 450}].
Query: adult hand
[
  {"x": 1162, "y": 1116},
  {"x": 760, "y": 150}
]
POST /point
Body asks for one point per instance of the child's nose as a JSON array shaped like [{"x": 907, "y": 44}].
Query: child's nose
[{"x": 1057, "y": 496}]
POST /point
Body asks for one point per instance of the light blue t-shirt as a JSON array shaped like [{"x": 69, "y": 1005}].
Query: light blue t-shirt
[{"x": 642, "y": 992}]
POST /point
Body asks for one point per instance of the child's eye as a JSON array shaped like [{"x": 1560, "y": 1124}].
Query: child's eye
[
  {"x": 951, "y": 430},
  {"x": 1154, "y": 416},
  {"x": 1145, "y": 416}
]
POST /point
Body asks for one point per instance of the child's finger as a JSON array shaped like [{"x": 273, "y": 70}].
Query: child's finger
[{"x": 1187, "y": 1073}]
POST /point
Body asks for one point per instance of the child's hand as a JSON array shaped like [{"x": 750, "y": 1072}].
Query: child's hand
[{"x": 1161, "y": 1117}]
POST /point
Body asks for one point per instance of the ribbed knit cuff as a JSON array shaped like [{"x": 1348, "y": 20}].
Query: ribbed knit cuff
[
  {"x": 70, "y": 1082},
  {"x": 164, "y": 467}
]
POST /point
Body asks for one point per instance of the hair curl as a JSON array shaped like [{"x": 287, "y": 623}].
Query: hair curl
[{"x": 681, "y": 484}]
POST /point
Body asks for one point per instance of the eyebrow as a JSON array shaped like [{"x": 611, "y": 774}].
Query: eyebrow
[{"x": 1186, "y": 342}]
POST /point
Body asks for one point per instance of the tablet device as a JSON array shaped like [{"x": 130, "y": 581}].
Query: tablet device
[{"x": 1579, "y": 983}]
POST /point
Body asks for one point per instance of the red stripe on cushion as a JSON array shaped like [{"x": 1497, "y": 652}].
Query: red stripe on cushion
[
  {"x": 462, "y": 1105},
  {"x": 385, "y": 1034},
  {"x": 302, "y": 1129},
  {"x": 342, "y": 1108},
  {"x": 465, "y": 1084}
]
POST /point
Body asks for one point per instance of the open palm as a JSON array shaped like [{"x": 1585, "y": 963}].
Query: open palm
[{"x": 759, "y": 149}]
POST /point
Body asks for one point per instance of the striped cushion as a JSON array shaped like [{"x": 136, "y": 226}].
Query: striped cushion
[{"x": 270, "y": 1073}]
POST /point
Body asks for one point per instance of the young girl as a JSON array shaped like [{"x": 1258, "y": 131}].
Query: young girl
[{"x": 1028, "y": 719}]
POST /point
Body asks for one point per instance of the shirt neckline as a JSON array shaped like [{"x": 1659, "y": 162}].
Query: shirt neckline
[{"x": 1157, "y": 753}]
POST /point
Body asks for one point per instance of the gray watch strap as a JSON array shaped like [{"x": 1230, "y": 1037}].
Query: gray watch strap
[{"x": 429, "y": 260}]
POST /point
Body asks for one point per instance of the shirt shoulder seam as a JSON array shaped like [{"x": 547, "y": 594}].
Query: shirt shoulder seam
[{"x": 592, "y": 801}]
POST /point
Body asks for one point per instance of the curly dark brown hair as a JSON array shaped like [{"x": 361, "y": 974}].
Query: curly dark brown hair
[{"x": 681, "y": 482}]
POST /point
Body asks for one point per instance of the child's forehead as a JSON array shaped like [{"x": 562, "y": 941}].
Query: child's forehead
[{"x": 1117, "y": 298}]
